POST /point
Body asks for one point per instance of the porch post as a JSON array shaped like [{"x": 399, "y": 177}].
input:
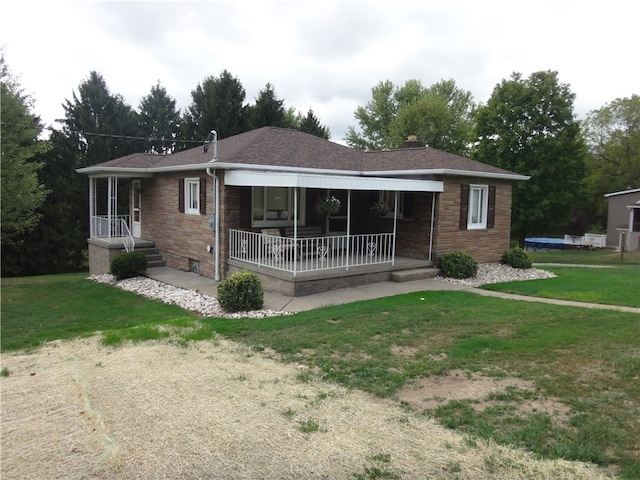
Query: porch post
[
  {"x": 433, "y": 209},
  {"x": 109, "y": 212},
  {"x": 295, "y": 229},
  {"x": 395, "y": 225},
  {"x": 348, "y": 226},
  {"x": 92, "y": 206}
]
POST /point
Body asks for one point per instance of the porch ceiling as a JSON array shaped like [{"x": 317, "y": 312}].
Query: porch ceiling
[{"x": 248, "y": 178}]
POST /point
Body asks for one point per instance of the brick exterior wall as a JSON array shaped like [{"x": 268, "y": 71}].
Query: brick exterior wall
[
  {"x": 180, "y": 237},
  {"x": 485, "y": 246}
]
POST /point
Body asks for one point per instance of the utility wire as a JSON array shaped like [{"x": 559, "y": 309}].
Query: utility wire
[{"x": 111, "y": 135}]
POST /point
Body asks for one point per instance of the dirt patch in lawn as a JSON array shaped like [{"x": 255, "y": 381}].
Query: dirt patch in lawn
[
  {"x": 220, "y": 410},
  {"x": 435, "y": 390}
]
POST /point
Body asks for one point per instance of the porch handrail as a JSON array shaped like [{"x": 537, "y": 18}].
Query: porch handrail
[
  {"x": 127, "y": 239},
  {"x": 313, "y": 253}
]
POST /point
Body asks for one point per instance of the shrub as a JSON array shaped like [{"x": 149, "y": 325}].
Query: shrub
[
  {"x": 128, "y": 265},
  {"x": 241, "y": 291},
  {"x": 517, "y": 258},
  {"x": 458, "y": 265}
]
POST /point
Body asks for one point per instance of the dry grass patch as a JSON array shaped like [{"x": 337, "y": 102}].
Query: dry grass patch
[{"x": 218, "y": 410}]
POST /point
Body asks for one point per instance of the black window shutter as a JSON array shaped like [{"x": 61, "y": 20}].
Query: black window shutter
[
  {"x": 203, "y": 195},
  {"x": 181, "y": 195},
  {"x": 464, "y": 206},
  {"x": 491, "y": 213}
]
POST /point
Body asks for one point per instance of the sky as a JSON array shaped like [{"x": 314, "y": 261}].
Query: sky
[{"x": 322, "y": 55}]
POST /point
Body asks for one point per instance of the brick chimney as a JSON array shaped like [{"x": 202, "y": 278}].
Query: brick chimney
[{"x": 412, "y": 142}]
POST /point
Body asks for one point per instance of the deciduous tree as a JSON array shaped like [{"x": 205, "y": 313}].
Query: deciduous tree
[
  {"x": 528, "y": 126},
  {"x": 612, "y": 133},
  {"x": 440, "y": 116},
  {"x": 22, "y": 192}
]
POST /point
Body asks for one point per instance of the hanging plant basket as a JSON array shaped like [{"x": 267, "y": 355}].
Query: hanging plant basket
[
  {"x": 379, "y": 209},
  {"x": 327, "y": 206}
]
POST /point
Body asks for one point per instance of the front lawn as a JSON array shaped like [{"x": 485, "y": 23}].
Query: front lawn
[
  {"x": 610, "y": 286},
  {"x": 587, "y": 360}
]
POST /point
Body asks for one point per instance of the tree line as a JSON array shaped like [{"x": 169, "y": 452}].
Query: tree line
[
  {"x": 44, "y": 201},
  {"x": 528, "y": 126}
]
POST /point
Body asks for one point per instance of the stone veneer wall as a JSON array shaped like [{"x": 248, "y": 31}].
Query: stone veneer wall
[
  {"x": 181, "y": 237},
  {"x": 485, "y": 246},
  {"x": 178, "y": 236}
]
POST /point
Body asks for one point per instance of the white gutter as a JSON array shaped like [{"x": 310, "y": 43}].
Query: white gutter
[
  {"x": 269, "y": 168},
  {"x": 445, "y": 171}
]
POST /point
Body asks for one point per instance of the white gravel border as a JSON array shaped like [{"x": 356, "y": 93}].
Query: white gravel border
[
  {"x": 208, "y": 306},
  {"x": 191, "y": 300},
  {"x": 498, "y": 273}
]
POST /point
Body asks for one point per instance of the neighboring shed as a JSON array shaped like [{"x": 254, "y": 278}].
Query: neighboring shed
[{"x": 624, "y": 217}]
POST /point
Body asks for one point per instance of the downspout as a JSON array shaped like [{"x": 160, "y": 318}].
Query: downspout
[{"x": 216, "y": 201}]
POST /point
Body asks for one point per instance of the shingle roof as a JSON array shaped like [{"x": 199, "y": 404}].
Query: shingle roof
[{"x": 280, "y": 147}]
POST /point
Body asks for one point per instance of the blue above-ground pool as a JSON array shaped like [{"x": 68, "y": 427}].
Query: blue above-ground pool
[{"x": 546, "y": 243}]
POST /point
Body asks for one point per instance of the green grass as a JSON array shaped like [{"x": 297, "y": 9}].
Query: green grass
[
  {"x": 611, "y": 286},
  {"x": 603, "y": 256},
  {"x": 587, "y": 359},
  {"x": 53, "y": 307}
]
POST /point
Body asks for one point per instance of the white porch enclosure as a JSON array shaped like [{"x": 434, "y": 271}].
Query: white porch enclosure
[
  {"x": 104, "y": 220},
  {"x": 296, "y": 255}
]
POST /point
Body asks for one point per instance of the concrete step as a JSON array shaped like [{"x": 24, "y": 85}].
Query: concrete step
[
  {"x": 154, "y": 257},
  {"x": 413, "y": 274},
  {"x": 156, "y": 263}
]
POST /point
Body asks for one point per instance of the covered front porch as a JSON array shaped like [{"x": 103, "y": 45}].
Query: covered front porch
[{"x": 298, "y": 250}]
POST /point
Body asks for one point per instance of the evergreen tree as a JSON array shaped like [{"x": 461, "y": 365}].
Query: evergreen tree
[
  {"x": 311, "y": 124},
  {"x": 218, "y": 104},
  {"x": 268, "y": 110},
  {"x": 528, "y": 126},
  {"x": 100, "y": 124},
  {"x": 159, "y": 120}
]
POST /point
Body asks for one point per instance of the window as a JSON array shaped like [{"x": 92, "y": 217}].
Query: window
[
  {"x": 389, "y": 198},
  {"x": 635, "y": 223},
  {"x": 192, "y": 195},
  {"x": 477, "y": 207},
  {"x": 275, "y": 205},
  {"x": 477, "y": 216}
]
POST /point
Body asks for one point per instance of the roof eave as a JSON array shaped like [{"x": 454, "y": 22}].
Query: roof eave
[
  {"x": 448, "y": 171},
  {"x": 148, "y": 172}
]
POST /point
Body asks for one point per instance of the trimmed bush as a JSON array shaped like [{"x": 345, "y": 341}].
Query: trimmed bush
[
  {"x": 457, "y": 265},
  {"x": 241, "y": 291},
  {"x": 517, "y": 258},
  {"x": 129, "y": 265}
]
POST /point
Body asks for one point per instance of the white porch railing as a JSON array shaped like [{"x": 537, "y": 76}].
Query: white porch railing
[
  {"x": 115, "y": 227},
  {"x": 311, "y": 254}
]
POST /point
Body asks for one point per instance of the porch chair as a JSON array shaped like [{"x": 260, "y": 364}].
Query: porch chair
[{"x": 276, "y": 246}]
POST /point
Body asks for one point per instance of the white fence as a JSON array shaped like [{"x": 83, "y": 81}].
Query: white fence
[
  {"x": 586, "y": 240},
  {"x": 311, "y": 254}
]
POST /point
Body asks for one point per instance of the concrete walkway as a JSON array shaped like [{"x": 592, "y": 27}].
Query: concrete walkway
[{"x": 274, "y": 301}]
